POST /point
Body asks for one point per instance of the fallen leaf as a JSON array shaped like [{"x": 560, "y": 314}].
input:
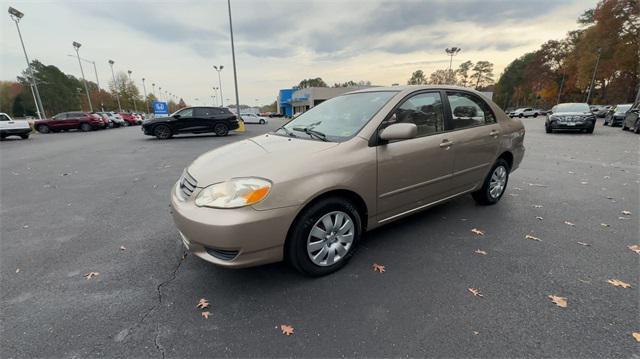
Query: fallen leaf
[
  {"x": 604, "y": 225},
  {"x": 635, "y": 248},
  {"x": 584, "y": 182},
  {"x": 64, "y": 174},
  {"x": 624, "y": 218},
  {"x": 378, "y": 267},
  {"x": 559, "y": 301},
  {"x": 17, "y": 270},
  {"x": 626, "y": 213},
  {"x": 584, "y": 244},
  {"x": 513, "y": 194},
  {"x": 91, "y": 275},
  {"x": 25, "y": 226},
  {"x": 476, "y": 292},
  {"x": 636, "y": 335},
  {"x": 202, "y": 304},
  {"x": 537, "y": 185},
  {"x": 205, "y": 314},
  {"x": 570, "y": 172},
  {"x": 537, "y": 206},
  {"x": 530, "y": 237},
  {"x": 584, "y": 281},
  {"x": 619, "y": 283},
  {"x": 122, "y": 248},
  {"x": 477, "y": 251},
  {"x": 606, "y": 177},
  {"x": 477, "y": 231},
  {"x": 569, "y": 223},
  {"x": 539, "y": 218},
  {"x": 286, "y": 329},
  {"x": 517, "y": 188}
]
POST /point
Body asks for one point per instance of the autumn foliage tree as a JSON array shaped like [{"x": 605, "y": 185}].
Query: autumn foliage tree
[{"x": 561, "y": 70}]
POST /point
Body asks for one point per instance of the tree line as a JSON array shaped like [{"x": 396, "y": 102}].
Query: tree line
[
  {"x": 562, "y": 70},
  {"x": 478, "y": 75},
  {"x": 62, "y": 92}
]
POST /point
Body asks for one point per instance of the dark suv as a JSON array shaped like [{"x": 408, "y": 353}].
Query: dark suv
[
  {"x": 218, "y": 120},
  {"x": 83, "y": 121}
]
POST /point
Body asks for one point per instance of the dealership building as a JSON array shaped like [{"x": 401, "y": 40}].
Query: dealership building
[{"x": 292, "y": 101}]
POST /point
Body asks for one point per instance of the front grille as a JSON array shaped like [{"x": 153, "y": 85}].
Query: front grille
[
  {"x": 187, "y": 184},
  {"x": 225, "y": 255}
]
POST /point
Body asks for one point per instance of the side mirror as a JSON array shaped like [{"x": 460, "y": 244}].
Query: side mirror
[
  {"x": 399, "y": 131},
  {"x": 176, "y": 116}
]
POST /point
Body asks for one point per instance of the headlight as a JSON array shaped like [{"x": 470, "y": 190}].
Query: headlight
[{"x": 238, "y": 192}]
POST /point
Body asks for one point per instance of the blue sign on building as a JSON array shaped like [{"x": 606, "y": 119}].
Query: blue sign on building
[{"x": 160, "y": 108}]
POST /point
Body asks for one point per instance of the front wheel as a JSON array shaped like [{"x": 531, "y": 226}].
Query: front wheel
[
  {"x": 547, "y": 129},
  {"x": 162, "y": 132},
  {"x": 221, "y": 129},
  {"x": 324, "y": 237},
  {"x": 494, "y": 185},
  {"x": 85, "y": 127},
  {"x": 43, "y": 129},
  {"x": 535, "y": 115},
  {"x": 262, "y": 122}
]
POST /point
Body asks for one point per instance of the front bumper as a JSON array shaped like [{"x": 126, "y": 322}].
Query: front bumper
[
  {"x": 241, "y": 237},
  {"x": 15, "y": 131},
  {"x": 617, "y": 120},
  {"x": 578, "y": 125}
]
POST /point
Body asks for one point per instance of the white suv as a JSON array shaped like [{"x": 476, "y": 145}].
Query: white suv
[
  {"x": 10, "y": 127},
  {"x": 526, "y": 112}
]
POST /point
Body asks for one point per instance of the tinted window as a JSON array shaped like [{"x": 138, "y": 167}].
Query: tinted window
[
  {"x": 4, "y": 117},
  {"x": 204, "y": 112},
  {"x": 425, "y": 111},
  {"x": 187, "y": 112},
  {"x": 572, "y": 107},
  {"x": 468, "y": 110}
]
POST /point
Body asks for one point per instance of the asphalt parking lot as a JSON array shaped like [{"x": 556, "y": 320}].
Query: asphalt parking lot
[{"x": 71, "y": 202}]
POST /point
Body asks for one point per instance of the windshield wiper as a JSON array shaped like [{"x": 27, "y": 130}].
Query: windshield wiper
[
  {"x": 289, "y": 133},
  {"x": 312, "y": 133}
]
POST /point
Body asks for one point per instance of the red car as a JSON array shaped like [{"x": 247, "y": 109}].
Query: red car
[
  {"x": 130, "y": 118},
  {"x": 83, "y": 121}
]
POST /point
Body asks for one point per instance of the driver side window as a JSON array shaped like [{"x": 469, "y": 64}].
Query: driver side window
[
  {"x": 425, "y": 111},
  {"x": 187, "y": 112}
]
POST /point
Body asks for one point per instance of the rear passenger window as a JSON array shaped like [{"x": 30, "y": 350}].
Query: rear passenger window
[
  {"x": 203, "y": 112},
  {"x": 469, "y": 110},
  {"x": 425, "y": 111}
]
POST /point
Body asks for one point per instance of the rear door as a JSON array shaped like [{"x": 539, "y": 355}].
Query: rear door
[
  {"x": 204, "y": 118},
  {"x": 476, "y": 138},
  {"x": 415, "y": 172},
  {"x": 74, "y": 119}
]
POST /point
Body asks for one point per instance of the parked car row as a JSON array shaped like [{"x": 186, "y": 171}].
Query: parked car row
[
  {"x": 527, "y": 112},
  {"x": 218, "y": 120},
  {"x": 580, "y": 116},
  {"x": 616, "y": 114},
  {"x": 87, "y": 121}
]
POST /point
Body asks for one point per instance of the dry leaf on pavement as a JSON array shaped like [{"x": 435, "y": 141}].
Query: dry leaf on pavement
[
  {"x": 286, "y": 329},
  {"x": 378, "y": 267},
  {"x": 619, "y": 283},
  {"x": 476, "y": 292},
  {"x": 17, "y": 270},
  {"x": 604, "y": 225},
  {"x": 205, "y": 314},
  {"x": 122, "y": 248},
  {"x": 569, "y": 223},
  {"x": 91, "y": 275},
  {"x": 539, "y": 218},
  {"x": 537, "y": 185},
  {"x": 530, "y": 237},
  {"x": 202, "y": 304},
  {"x": 636, "y": 335},
  {"x": 477, "y": 232},
  {"x": 584, "y": 244},
  {"x": 477, "y": 251},
  {"x": 626, "y": 213},
  {"x": 559, "y": 301},
  {"x": 537, "y": 206},
  {"x": 635, "y": 248}
]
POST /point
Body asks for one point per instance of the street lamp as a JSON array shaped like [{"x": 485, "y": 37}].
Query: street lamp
[
  {"x": 95, "y": 70},
  {"x": 218, "y": 69},
  {"x": 452, "y": 51},
  {"x": 235, "y": 72},
  {"x": 76, "y": 46},
  {"x": 593, "y": 78},
  {"x": 16, "y": 16},
  {"x": 144, "y": 88},
  {"x": 115, "y": 85},
  {"x": 133, "y": 99}
]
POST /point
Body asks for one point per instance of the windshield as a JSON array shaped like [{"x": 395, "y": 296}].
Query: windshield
[
  {"x": 623, "y": 108},
  {"x": 340, "y": 117},
  {"x": 572, "y": 107}
]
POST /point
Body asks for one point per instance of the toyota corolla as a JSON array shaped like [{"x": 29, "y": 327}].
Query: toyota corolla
[{"x": 307, "y": 192}]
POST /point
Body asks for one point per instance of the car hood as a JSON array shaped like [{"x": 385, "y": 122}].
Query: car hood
[
  {"x": 268, "y": 156},
  {"x": 571, "y": 114},
  {"x": 157, "y": 119}
]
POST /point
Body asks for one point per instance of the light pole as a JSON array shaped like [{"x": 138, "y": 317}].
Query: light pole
[
  {"x": 235, "y": 72},
  {"x": 160, "y": 90},
  {"x": 76, "y": 46},
  {"x": 95, "y": 70},
  {"x": 218, "y": 69},
  {"x": 451, "y": 51},
  {"x": 133, "y": 99},
  {"x": 593, "y": 78},
  {"x": 115, "y": 85},
  {"x": 16, "y": 16},
  {"x": 144, "y": 88},
  {"x": 215, "y": 96}
]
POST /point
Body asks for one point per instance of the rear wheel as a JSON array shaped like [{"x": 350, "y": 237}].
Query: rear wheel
[
  {"x": 535, "y": 115},
  {"x": 494, "y": 185},
  {"x": 324, "y": 237},
  {"x": 590, "y": 129},
  {"x": 85, "y": 127},
  {"x": 262, "y": 122},
  {"x": 162, "y": 132},
  {"x": 43, "y": 129},
  {"x": 221, "y": 129}
]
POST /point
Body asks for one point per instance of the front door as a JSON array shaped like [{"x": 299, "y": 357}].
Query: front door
[
  {"x": 414, "y": 173},
  {"x": 185, "y": 122},
  {"x": 476, "y": 137}
]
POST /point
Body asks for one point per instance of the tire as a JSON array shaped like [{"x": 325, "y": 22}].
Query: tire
[
  {"x": 162, "y": 132},
  {"x": 498, "y": 176},
  {"x": 221, "y": 129},
  {"x": 298, "y": 252},
  {"x": 548, "y": 129},
  {"x": 636, "y": 127},
  {"x": 25, "y": 136},
  {"x": 520, "y": 115},
  {"x": 85, "y": 127},
  {"x": 535, "y": 115},
  {"x": 262, "y": 122},
  {"x": 590, "y": 129},
  {"x": 43, "y": 129}
]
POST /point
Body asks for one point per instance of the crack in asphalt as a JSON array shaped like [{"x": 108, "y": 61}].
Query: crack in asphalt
[{"x": 156, "y": 341}]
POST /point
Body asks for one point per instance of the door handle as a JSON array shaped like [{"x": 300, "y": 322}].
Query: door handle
[
  {"x": 494, "y": 133},
  {"x": 446, "y": 144}
]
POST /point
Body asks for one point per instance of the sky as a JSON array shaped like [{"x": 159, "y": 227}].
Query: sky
[{"x": 175, "y": 44}]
